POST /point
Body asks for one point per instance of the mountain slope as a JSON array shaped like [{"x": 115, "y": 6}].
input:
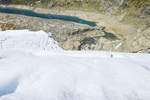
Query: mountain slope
[{"x": 29, "y": 73}]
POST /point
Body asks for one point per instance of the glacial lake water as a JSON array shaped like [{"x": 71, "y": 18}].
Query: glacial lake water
[{"x": 45, "y": 16}]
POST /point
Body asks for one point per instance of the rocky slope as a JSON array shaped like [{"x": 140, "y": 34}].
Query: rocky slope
[
  {"x": 118, "y": 30},
  {"x": 6, "y": 26},
  {"x": 105, "y": 6}
]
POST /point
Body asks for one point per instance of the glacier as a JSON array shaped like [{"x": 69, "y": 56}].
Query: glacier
[{"x": 34, "y": 67}]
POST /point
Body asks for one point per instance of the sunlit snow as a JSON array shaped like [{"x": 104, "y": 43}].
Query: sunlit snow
[{"x": 33, "y": 67}]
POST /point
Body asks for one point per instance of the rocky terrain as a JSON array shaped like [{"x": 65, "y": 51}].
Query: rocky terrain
[
  {"x": 6, "y": 26},
  {"x": 117, "y": 29}
]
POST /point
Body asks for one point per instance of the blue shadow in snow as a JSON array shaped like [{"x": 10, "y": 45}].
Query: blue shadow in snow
[{"x": 10, "y": 87}]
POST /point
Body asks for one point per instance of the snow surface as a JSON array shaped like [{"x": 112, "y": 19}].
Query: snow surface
[
  {"x": 27, "y": 40},
  {"x": 33, "y": 67}
]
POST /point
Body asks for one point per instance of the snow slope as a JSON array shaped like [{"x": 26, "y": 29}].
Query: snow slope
[
  {"x": 43, "y": 71},
  {"x": 27, "y": 40}
]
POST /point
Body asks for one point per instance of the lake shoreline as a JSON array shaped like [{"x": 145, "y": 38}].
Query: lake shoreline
[{"x": 76, "y": 36}]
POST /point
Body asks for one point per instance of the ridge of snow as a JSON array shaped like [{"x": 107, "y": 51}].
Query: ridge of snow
[{"x": 27, "y": 40}]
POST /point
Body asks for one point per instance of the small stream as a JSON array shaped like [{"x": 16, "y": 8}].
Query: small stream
[{"x": 45, "y": 16}]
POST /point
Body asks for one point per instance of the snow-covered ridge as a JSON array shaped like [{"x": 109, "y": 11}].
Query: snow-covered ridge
[
  {"x": 27, "y": 40},
  {"x": 33, "y": 67}
]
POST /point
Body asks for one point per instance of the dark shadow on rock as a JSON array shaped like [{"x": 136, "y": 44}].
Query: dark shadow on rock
[
  {"x": 147, "y": 12},
  {"x": 87, "y": 40},
  {"x": 5, "y": 1},
  {"x": 46, "y": 16}
]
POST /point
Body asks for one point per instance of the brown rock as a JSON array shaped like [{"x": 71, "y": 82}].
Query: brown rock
[{"x": 7, "y": 26}]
